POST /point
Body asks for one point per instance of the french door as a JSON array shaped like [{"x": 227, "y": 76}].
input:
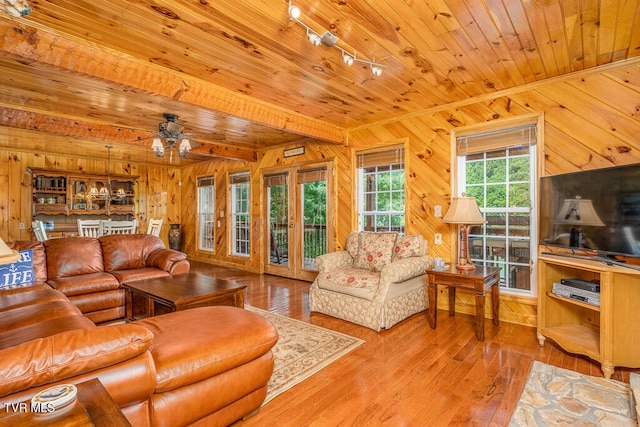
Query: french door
[{"x": 298, "y": 219}]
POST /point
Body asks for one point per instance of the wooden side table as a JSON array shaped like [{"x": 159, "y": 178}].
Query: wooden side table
[
  {"x": 479, "y": 280},
  {"x": 93, "y": 407}
]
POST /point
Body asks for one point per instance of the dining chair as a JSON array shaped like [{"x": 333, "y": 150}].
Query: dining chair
[
  {"x": 39, "y": 230},
  {"x": 155, "y": 225},
  {"x": 89, "y": 227},
  {"x": 118, "y": 227}
]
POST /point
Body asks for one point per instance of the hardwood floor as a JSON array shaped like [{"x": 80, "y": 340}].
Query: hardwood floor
[{"x": 410, "y": 375}]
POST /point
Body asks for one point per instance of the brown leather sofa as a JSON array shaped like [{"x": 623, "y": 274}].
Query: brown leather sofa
[
  {"x": 204, "y": 366},
  {"x": 90, "y": 271}
]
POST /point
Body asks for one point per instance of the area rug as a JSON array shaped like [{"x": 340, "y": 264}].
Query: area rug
[
  {"x": 302, "y": 350},
  {"x": 558, "y": 397}
]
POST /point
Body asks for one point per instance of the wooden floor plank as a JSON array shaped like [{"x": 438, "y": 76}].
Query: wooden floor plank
[{"x": 410, "y": 375}]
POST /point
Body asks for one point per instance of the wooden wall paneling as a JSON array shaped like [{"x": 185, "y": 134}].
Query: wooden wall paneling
[
  {"x": 189, "y": 209},
  {"x": 609, "y": 118},
  {"x": 4, "y": 194}
]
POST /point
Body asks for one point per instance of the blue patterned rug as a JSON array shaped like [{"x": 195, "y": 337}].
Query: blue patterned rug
[{"x": 558, "y": 397}]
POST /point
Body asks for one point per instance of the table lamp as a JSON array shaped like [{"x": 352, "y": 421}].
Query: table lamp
[
  {"x": 7, "y": 256},
  {"x": 578, "y": 212},
  {"x": 464, "y": 211}
]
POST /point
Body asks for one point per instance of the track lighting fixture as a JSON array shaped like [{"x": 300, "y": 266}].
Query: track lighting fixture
[{"x": 329, "y": 39}]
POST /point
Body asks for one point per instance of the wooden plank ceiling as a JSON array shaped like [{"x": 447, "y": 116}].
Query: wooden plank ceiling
[{"x": 243, "y": 77}]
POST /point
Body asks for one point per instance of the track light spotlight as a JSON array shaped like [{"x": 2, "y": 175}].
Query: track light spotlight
[
  {"x": 376, "y": 70},
  {"x": 314, "y": 38},
  {"x": 348, "y": 59},
  {"x": 294, "y": 12}
]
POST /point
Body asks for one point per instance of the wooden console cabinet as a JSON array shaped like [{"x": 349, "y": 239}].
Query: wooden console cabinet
[{"x": 609, "y": 333}]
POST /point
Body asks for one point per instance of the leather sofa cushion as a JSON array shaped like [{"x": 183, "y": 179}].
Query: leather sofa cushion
[
  {"x": 97, "y": 301},
  {"x": 241, "y": 390},
  {"x": 132, "y": 254},
  {"x": 39, "y": 257},
  {"x": 85, "y": 284},
  {"x": 138, "y": 274},
  {"x": 35, "y": 296},
  {"x": 30, "y": 314},
  {"x": 64, "y": 355},
  {"x": 83, "y": 256},
  {"x": 193, "y": 345},
  {"x": 43, "y": 329}
]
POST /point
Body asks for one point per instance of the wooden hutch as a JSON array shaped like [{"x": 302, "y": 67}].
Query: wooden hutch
[{"x": 61, "y": 197}]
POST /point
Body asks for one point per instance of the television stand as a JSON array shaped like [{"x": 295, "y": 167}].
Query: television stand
[
  {"x": 607, "y": 334},
  {"x": 600, "y": 258}
]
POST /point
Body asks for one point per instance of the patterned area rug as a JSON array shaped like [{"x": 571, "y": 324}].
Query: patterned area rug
[
  {"x": 302, "y": 350},
  {"x": 558, "y": 397}
]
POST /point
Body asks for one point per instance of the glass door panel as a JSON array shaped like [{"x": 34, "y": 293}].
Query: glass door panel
[
  {"x": 277, "y": 191},
  {"x": 312, "y": 185}
]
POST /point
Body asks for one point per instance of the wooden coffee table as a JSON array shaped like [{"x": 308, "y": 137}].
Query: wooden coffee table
[{"x": 150, "y": 297}]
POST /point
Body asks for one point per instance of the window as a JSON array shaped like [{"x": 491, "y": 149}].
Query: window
[
  {"x": 240, "y": 218},
  {"x": 206, "y": 213},
  {"x": 498, "y": 169},
  {"x": 381, "y": 190}
]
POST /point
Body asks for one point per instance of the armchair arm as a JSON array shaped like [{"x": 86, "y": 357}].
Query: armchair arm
[
  {"x": 67, "y": 354},
  {"x": 172, "y": 261},
  {"x": 406, "y": 268},
  {"x": 332, "y": 261}
]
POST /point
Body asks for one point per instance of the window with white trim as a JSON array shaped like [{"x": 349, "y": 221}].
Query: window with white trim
[
  {"x": 240, "y": 217},
  {"x": 498, "y": 168},
  {"x": 381, "y": 190},
  {"x": 206, "y": 213}
]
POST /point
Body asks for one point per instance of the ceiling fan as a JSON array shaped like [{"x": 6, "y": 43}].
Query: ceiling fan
[{"x": 170, "y": 135}]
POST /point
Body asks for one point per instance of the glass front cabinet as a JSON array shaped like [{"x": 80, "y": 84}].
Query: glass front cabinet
[{"x": 67, "y": 193}]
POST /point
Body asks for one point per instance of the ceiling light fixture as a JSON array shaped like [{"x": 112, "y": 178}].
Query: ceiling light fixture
[
  {"x": 329, "y": 39},
  {"x": 171, "y": 132}
]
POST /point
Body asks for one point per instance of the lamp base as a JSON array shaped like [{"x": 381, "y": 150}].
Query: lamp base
[{"x": 465, "y": 267}]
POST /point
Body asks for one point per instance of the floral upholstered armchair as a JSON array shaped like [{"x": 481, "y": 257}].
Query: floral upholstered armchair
[{"x": 378, "y": 281}]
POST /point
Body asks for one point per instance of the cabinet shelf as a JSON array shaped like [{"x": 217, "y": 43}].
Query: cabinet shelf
[
  {"x": 572, "y": 301},
  {"x": 606, "y": 334},
  {"x": 576, "y": 339}
]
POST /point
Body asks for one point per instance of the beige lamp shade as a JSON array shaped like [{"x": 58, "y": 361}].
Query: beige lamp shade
[
  {"x": 578, "y": 211},
  {"x": 464, "y": 210},
  {"x": 7, "y": 256}
]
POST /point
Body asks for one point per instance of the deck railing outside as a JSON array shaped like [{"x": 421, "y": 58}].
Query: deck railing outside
[{"x": 314, "y": 243}]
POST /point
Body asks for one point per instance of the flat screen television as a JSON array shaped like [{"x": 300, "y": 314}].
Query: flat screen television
[{"x": 596, "y": 210}]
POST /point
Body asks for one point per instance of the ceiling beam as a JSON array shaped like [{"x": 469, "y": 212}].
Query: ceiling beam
[
  {"x": 26, "y": 42},
  {"x": 65, "y": 126}
]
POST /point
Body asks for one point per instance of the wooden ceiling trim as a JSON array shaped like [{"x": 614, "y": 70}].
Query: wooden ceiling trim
[{"x": 39, "y": 45}]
